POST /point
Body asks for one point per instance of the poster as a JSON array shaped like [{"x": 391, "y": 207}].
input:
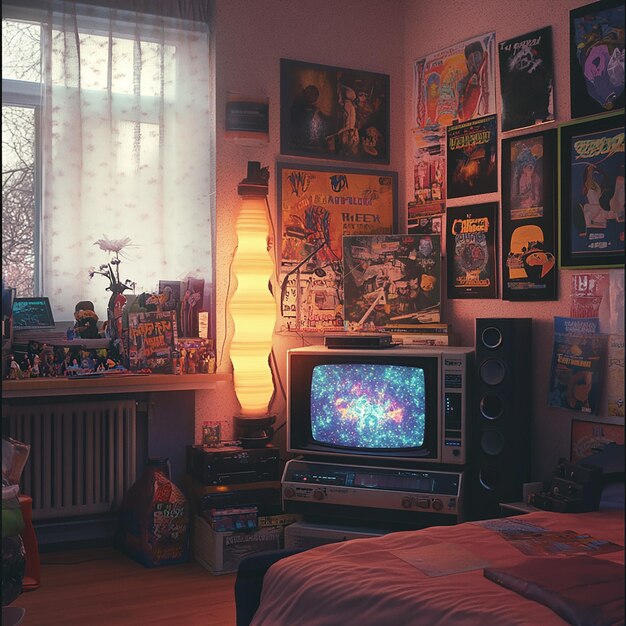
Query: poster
[
  {"x": 429, "y": 170},
  {"x": 597, "y": 58},
  {"x": 528, "y": 218},
  {"x": 577, "y": 365},
  {"x": 526, "y": 79},
  {"x": 471, "y": 251},
  {"x": 318, "y": 206},
  {"x": 588, "y": 290},
  {"x": 589, "y": 437},
  {"x": 472, "y": 157},
  {"x": 591, "y": 202},
  {"x": 334, "y": 112},
  {"x": 615, "y": 376},
  {"x": 152, "y": 338},
  {"x": 390, "y": 279},
  {"x": 455, "y": 84}
]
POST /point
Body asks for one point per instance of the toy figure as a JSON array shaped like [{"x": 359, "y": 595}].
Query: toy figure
[{"x": 86, "y": 325}]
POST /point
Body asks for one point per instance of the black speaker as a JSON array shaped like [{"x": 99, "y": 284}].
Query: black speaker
[{"x": 499, "y": 455}]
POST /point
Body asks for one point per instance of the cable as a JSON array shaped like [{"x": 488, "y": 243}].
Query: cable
[{"x": 230, "y": 274}]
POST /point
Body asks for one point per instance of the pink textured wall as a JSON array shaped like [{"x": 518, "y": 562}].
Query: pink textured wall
[{"x": 383, "y": 36}]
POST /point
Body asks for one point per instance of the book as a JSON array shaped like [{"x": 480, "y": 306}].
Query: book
[
  {"x": 417, "y": 328},
  {"x": 152, "y": 339},
  {"x": 391, "y": 277},
  {"x": 420, "y": 339},
  {"x": 615, "y": 376},
  {"x": 577, "y": 364}
]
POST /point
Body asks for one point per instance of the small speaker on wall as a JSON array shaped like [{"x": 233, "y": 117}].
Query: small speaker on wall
[{"x": 499, "y": 461}]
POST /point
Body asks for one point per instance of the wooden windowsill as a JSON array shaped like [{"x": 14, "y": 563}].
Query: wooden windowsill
[{"x": 129, "y": 383}]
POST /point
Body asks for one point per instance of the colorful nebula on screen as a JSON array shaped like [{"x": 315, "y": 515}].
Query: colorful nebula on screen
[{"x": 368, "y": 405}]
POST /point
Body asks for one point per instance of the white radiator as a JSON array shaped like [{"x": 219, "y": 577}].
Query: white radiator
[{"x": 83, "y": 455}]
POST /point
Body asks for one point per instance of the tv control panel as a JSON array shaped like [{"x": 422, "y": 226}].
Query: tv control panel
[{"x": 321, "y": 485}]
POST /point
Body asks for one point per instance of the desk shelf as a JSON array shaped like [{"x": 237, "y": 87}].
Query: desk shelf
[{"x": 128, "y": 383}]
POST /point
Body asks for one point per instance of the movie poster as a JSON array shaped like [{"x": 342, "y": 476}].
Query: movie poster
[
  {"x": 318, "y": 206},
  {"x": 596, "y": 193},
  {"x": 390, "y": 279},
  {"x": 526, "y": 79},
  {"x": 529, "y": 270},
  {"x": 456, "y": 83},
  {"x": 577, "y": 366},
  {"x": 472, "y": 159},
  {"x": 471, "y": 251},
  {"x": 597, "y": 58}
]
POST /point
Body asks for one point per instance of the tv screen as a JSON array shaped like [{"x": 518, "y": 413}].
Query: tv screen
[
  {"x": 32, "y": 313},
  {"x": 368, "y": 406}
]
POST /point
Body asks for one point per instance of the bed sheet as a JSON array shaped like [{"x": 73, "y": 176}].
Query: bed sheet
[{"x": 366, "y": 582}]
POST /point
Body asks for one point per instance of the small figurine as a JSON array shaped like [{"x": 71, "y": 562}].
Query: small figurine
[{"x": 86, "y": 325}]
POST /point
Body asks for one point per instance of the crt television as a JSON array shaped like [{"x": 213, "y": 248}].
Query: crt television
[{"x": 404, "y": 404}]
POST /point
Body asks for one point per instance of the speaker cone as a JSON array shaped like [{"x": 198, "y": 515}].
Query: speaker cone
[
  {"x": 491, "y": 337},
  {"x": 491, "y": 406},
  {"x": 492, "y": 371},
  {"x": 492, "y": 442},
  {"x": 489, "y": 477}
]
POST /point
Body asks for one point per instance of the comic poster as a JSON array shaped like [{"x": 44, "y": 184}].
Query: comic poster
[
  {"x": 425, "y": 224},
  {"x": 615, "y": 376},
  {"x": 597, "y": 58},
  {"x": 318, "y": 206},
  {"x": 590, "y": 437},
  {"x": 390, "y": 279},
  {"x": 526, "y": 79},
  {"x": 592, "y": 192},
  {"x": 472, "y": 159},
  {"x": 577, "y": 366},
  {"x": 471, "y": 251},
  {"x": 529, "y": 270},
  {"x": 152, "y": 338},
  {"x": 456, "y": 83},
  {"x": 429, "y": 169}
]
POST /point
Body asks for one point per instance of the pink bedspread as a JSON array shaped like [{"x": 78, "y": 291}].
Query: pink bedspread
[{"x": 364, "y": 581}]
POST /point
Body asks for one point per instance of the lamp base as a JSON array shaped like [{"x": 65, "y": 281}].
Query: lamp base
[{"x": 254, "y": 432}]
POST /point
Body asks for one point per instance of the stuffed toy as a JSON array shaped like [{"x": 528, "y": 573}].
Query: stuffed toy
[{"x": 86, "y": 325}]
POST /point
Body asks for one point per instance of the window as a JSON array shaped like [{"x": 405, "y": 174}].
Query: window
[{"x": 107, "y": 129}]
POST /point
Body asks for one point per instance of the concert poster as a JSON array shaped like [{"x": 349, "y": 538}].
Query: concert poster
[
  {"x": 472, "y": 157},
  {"x": 390, "y": 279},
  {"x": 597, "y": 58},
  {"x": 318, "y": 206},
  {"x": 471, "y": 233},
  {"x": 526, "y": 79}
]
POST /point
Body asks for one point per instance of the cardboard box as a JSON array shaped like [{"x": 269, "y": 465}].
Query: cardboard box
[{"x": 221, "y": 553}]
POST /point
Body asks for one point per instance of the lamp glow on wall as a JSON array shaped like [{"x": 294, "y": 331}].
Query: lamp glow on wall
[{"x": 253, "y": 310}]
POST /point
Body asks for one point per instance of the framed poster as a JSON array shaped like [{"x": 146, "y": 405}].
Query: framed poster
[
  {"x": 333, "y": 112},
  {"x": 455, "y": 84},
  {"x": 318, "y": 206},
  {"x": 597, "y": 58},
  {"x": 526, "y": 79},
  {"x": 591, "y": 192},
  {"x": 471, "y": 251},
  {"x": 589, "y": 437},
  {"x": 391, "y": 279},
  {"x": 528, "y": 217},
  {"x": 472, "y": 157}
]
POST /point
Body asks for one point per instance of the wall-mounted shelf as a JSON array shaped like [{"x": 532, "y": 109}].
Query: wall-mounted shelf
[{"x": 128, "y": 383}]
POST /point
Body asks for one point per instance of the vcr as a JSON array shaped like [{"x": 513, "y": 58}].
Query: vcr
[{"x": 232, "y": 465}]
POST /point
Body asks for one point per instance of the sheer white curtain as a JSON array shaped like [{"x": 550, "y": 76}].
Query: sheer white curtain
[{"x": 127, "y": 150}]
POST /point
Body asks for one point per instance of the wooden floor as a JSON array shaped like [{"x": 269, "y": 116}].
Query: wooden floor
[{"x": 98, "y": 587}]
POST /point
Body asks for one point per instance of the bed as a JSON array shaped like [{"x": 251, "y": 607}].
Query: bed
[{"x": 439, "y": 575}]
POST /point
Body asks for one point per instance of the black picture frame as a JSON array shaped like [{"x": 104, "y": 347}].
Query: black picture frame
[
  {"x": 529, "y": 267},
  {"x": 593, "y": 41},
  {"x": 591, "y": 180},
  {"x": 315, "y": 101}
]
